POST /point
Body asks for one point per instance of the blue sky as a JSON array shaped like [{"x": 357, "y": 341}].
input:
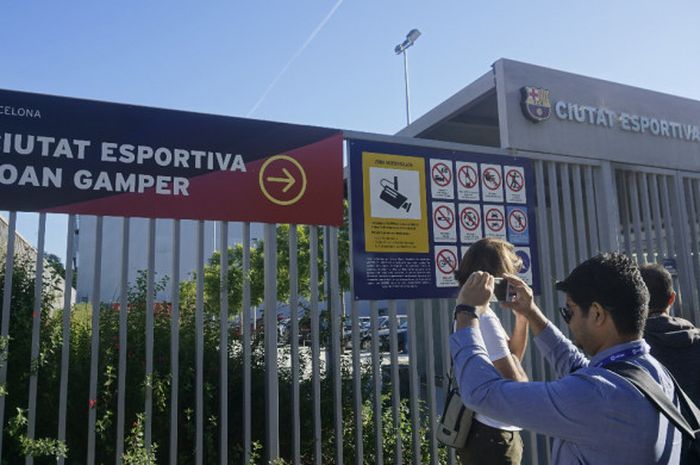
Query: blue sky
[{"x": 223, "y": 56}]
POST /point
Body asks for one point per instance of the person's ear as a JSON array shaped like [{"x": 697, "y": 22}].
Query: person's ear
[
  {"x": 671, "y": 300},
  {"x": 597, "y": 313}
]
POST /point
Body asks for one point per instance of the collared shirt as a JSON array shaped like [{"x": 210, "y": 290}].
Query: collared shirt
[{"x": 594, "y": 415}]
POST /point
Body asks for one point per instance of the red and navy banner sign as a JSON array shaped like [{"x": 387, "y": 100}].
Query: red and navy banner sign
[{"x": 68, "y": 155}]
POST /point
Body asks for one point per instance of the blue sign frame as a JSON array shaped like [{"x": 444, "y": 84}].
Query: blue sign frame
[{"x": 391, "y": 284}]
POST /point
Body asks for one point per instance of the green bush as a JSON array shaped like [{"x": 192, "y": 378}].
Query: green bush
[{"x": 46, "y": 448}]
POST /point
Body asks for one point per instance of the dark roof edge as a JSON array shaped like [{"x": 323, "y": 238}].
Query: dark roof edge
[{"x": 451, "y": 106}]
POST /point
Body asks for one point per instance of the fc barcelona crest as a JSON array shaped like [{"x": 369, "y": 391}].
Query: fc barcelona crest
[{"x": 535, "y": 103}]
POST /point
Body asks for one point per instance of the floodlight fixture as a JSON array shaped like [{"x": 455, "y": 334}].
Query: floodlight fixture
[{"x": 411, "y": 38}]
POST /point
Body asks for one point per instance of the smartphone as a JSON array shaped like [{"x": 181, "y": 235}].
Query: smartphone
[{"x": 502, "y": 291}]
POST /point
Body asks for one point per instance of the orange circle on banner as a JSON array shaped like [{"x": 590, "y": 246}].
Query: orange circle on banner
[{"x": 289, "y": 180}]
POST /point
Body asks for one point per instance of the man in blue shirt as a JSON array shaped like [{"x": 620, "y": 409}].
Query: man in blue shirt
[{"x": 594, "y": 415}]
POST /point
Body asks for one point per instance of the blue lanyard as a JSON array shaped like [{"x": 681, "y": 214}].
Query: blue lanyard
[{"x": 621, "y": 355}]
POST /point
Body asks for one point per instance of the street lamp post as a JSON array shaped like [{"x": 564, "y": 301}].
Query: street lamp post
[{"x": 411, "y": 38}]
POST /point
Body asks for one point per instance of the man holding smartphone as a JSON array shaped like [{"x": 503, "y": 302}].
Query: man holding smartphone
[{"x": 593, "y": 414}]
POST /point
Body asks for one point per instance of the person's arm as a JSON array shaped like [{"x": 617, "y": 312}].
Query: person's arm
[
  {"x": 477, "y": 292},
  {"x": 561, "y": 408},
  {"x": 559, "y": 351},
  {"x": 497, "y": 346},
  {"x": 518, "y": 340}
]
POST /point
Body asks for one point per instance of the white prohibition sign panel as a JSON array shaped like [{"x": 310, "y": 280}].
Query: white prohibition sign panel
[
  {"x": 470, "y": 229},
  {"x": 470, "y": 218},
  {"x": 444, "y": 227},
  {"x": 494, "y": 219},
  {"x": 441, "y": 179},
  {"x": 467, "y": 181},
  {"x": 446, "y": 262},
  {"x": 492, "y": 182},
  {"x": 515, "y": 184}
]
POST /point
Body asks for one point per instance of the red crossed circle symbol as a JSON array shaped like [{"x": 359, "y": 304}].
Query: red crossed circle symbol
[
  {"x": 514, "y": 180},
  {"x": 446, "y": 261},
  {"x": 442, "y": 174},
  {"x": 467, "y": 176},
  {"x": 470, "y": 219},
  {"x": 494, "y": 219},
  {"x": 517, "y": 219},
  {"x": 492, "y": 179},
  {"x": 444, "y": 218}
]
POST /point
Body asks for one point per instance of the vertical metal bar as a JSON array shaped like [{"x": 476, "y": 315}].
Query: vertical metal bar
[
  {"x": 430, "y": 377},
  {"x": 150, "y": 304},
  {"x": 95, "y": 344},
  {"x": 608, "y": 216},
  {"x": 294, "y": 341},
  {"x": 556, "y": 239},
  {"x": 315, "y": 344},
  {"x": 123, "y": 312},
  {"x": 568, "y": 217},
  {"x": 696, "y": 241},
  {"x": 659, "y": 226},
  {"x": 625, "y": 211},
  {"x": 685, "y": 269},
  {"x": 356, "y": 339},
  {"x": 357, "y": 379},
  {"x": 65, "y": 348},
  {"x": 223, "y": 345},
  {"x": 445, "y": 330},
  {"x": 667, "y": 216},
  {"x": 646, "y": 214},
  {"x": 692, "y": 237},
  {"x": 580, "y": 213},
  {"x": 591, "y": 211},
  {"x": 245, "y": 331},
  {"x": 334, "y": 313},
  {"x": 395, "y": 387},
  {"x": 547, "y": 250},
  {"x": 36, "y": 327},
  {"x": 636, "y": 220},
  {"x": 546, "y": 253},
  {"x": 199, "y": 348},
  {"x": 413, "y": 383},
  {"x": 6, "y": 309},
  {"x": 271, "y": 381},
  {"x": 175, "y": 344},
  {"x": 377, "y": 385}
]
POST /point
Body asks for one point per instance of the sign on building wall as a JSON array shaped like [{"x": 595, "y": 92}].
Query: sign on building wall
[
  {"x": 415, "y": 211},
  {"x": 551, "y": 111},
  {"x": 76, "y": 156}
]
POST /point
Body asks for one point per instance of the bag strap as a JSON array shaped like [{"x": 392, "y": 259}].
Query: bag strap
[{"x": 652, "y": 391}]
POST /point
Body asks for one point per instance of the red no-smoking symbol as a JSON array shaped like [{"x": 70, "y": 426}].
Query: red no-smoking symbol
[
  {"x": 442, "y": 174},
  {"x": 514, "y": 180},
  {"x": 446, "y": 261},
  {"x": 470, "y": 219},
  {"x": 492, "y": 179},
  {"x": 444, "y": 218},
  {"x": 494, "y": 220},
  {"x": 467, "y": 176},
  {"x": 517, "y": 219}
]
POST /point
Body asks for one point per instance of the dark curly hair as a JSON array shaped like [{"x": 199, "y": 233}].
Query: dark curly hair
[
  {"x": 660, "y": 285},
  {"x": 495, "y": 256},
  {"x": 614, "y": 281}
]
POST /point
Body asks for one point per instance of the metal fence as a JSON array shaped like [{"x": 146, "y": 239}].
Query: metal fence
[{"x": 352, "y": 404}]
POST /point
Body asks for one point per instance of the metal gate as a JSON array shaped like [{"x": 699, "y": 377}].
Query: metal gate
[{"x": 328, "y": 394}]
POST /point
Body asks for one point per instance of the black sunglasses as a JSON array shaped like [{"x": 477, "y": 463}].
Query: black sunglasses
[{"x": 566, "y": 314}]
